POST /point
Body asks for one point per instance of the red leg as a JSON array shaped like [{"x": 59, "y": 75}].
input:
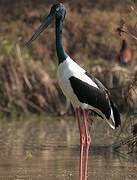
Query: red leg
[
  {"x": 88, "y": 142},
  {"x": 82, "y": 142}
]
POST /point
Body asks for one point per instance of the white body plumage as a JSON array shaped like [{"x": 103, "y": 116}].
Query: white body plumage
[
  {"x": 69, "y": 69},
  {"x": 66, "y": 70}
]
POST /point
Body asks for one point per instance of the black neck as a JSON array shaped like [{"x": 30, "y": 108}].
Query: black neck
[{"x": 59, "y": 47}]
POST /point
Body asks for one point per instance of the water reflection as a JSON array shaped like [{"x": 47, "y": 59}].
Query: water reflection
[{"x": 49, "y": 150}]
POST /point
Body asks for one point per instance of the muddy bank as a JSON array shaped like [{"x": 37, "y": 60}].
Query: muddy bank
[{"x": 28, "y": 75}]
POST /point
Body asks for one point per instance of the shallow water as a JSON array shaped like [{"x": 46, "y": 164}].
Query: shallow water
[{"x": 49, "y": 150}]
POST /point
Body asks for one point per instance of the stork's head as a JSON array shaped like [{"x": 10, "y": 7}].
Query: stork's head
[{"x": 58, "y": 11}]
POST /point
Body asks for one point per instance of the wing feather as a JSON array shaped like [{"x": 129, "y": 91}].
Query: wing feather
[
  {"x": 115, "y": 116},
  {"x": 91, "y": 95}
]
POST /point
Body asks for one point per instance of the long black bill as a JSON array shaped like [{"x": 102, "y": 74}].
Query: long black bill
[{"x": 45, "y": 23}]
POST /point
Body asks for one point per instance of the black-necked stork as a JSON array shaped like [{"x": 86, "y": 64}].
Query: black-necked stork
[
  {"x": 84, "y": 91},
  {"x": 125, "y": 54}
]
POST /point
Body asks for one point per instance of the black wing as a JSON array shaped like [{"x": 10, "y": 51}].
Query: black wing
[
  {"x": 98, "y": 83},
  {"x": 91, "y": 95},
  {"x": 113, "y": 105}
]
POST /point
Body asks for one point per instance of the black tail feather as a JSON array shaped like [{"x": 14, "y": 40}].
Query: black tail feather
[{"x": 116, "y": 114}]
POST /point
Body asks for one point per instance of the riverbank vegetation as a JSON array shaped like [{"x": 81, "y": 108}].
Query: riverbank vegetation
[{"x": 28, "y": 75}]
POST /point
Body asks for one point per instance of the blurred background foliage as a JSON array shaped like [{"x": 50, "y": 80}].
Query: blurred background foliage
[{"x": 28, "y": 75}]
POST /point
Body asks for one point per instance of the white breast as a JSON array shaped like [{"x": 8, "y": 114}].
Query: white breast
[{"x": 66, "y": 70}]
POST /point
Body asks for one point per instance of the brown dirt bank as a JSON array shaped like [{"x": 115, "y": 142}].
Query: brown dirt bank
[{"x": 28, "y": 76}]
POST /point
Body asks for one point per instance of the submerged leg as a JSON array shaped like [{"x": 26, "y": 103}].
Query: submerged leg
[
  {"x": 87, "y": 142},
  {"x": 82, "y": 142}
]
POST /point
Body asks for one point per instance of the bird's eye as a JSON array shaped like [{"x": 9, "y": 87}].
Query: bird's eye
[{"x": 57, "y": 9}]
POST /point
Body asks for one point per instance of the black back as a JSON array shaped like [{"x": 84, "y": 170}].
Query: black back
[
  {"x": 113, "y": 105},
  {"x": 91, "y": 96},
  {"x": 97, "y": 98}
]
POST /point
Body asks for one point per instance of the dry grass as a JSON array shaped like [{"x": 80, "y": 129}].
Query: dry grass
[
  {"x": 27, "y": 76},
  {"x": 26, "y": 85}
]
